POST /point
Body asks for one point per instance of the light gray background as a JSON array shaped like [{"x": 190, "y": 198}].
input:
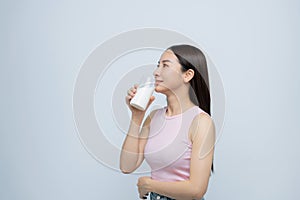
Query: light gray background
[{"x": 254, "y": 44}]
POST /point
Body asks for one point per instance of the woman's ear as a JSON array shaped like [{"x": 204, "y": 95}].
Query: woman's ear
[{"x": 188, "y": 75}]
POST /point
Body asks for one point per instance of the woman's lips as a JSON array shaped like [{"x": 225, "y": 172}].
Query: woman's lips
[{"x": 157, "y": 82}]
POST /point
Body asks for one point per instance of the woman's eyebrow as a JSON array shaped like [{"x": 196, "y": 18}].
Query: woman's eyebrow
[{"x": 165, "y": 61}]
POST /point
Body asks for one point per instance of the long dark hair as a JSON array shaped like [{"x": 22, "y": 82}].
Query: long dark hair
[{"x": 191, "y": 57}]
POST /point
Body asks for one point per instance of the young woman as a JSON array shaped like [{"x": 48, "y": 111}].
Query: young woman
[{"x": 177, "y": 141}]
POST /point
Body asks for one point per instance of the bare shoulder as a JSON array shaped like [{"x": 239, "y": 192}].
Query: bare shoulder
[
  {"x": 203, "y": 117},
  {"x": 201, "y": 125},
  {"x": 201, "y": 120}
]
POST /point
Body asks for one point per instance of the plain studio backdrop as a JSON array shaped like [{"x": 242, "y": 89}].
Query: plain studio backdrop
[{"x": 254, "y": 45}]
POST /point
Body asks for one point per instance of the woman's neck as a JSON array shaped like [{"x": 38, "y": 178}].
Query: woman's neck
[{"x": 177, "y": 104}]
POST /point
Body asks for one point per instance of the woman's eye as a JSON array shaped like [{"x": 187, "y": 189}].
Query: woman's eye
[{"x": 164, "y": 65}]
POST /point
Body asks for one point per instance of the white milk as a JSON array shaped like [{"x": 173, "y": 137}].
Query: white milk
[{"x": 142, "y": 96}]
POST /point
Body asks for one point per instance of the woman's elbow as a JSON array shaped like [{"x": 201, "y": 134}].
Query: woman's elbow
[
  {"x": 198, "y": 193},
  {"x": 125, "y": 170}
]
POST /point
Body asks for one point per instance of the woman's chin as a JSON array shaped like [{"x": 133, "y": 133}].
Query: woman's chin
[
  {"x": 160, "y": 89},
  {"x": 156, "y": 89}
]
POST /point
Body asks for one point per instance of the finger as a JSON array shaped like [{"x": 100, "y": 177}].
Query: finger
[
  {"x": 145, "y": 195},
  {"x": 141, "y": 192},
  {"x": 127, "y": 99},
  {"x": 134, "y": 89},
  {"x": 152, "y": 98},
  {"x": 131, "y": 92}
]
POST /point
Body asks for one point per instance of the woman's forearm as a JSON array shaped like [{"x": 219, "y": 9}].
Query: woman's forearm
[
  {"x": 180, "y": 190},
  {"x": 130, "y": 149}
]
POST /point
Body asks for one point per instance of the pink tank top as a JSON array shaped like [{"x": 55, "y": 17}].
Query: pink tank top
[{"x": 168, "y": 149}]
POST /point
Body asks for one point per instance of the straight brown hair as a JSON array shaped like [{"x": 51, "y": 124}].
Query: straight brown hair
[{"x": 191, "y": 57}]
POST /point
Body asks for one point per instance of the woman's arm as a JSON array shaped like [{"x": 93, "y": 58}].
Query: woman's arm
[
  {"x": 132, "y": 154},
  {"x": 202, "y": 133}
]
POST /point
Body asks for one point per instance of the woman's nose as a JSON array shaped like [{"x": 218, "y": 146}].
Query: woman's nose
[{"x": 156, "y": 72}]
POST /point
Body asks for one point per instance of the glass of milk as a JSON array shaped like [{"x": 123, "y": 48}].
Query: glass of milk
[{"x": 143, "y": 94}]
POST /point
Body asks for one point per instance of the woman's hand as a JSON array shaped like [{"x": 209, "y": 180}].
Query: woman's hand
[
  {"x": 137, "y": 115},
  {"x": 144, "y": 186},
  {"x": 130, "y": 94}
]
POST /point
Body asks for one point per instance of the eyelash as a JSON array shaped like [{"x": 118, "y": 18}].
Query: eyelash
[{"x": 164, "y": 65}]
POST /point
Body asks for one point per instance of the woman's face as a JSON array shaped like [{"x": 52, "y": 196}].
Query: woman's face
[{"x": 168, "y": 74}]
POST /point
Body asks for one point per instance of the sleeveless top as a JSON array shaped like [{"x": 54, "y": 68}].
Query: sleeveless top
[{"x": 168, "y": 149}]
